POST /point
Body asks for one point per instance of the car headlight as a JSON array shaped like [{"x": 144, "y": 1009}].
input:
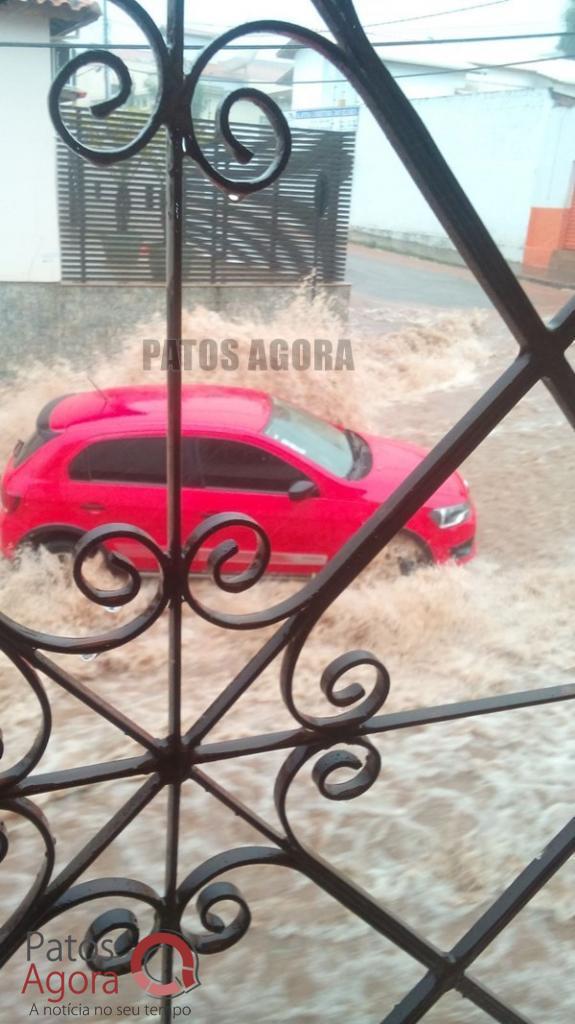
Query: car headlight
[{"x": 451, "y": 515}]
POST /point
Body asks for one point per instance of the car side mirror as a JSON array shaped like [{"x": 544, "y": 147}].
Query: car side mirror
[{"x": 302, "y": 489}]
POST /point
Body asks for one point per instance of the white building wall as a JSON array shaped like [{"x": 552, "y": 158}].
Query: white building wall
[
  {"x": 29, "y": 249},
  {"x": 317, "y": 83},
  {"x": 419, "y": 80},
  {"x": 555, "y": 177},
  {"x": 494, "y": 143},
  {"x": 310, "y": 70}
]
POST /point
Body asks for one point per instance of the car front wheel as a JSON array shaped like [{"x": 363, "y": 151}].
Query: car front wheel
[
  {"x": 403, "y": 555},
  {"x": 63, "y": 546}
]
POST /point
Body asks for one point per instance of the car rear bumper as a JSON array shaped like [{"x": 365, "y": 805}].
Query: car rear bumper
[{"x": 6, "y": 543}]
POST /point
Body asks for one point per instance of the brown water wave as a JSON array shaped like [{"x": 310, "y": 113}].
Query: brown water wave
[{"x": 457, "y": 810}]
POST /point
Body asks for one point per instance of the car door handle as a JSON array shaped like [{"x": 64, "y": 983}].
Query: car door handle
[{"x": 92, "y": 506}]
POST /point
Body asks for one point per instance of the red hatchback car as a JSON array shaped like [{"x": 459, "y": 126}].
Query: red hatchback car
[{"x": 99, "y": 457}]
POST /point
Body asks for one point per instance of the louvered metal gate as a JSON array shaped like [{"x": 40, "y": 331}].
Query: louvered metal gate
[
  {"x": 112, "y": 220},
  {"x": 176, "y": 759}
]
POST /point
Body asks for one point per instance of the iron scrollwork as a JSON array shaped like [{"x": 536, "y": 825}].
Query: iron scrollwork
[{"x": 331, "y": 743}]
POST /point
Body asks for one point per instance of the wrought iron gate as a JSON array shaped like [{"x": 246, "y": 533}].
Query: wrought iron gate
[{"x": 171, "y": 760}]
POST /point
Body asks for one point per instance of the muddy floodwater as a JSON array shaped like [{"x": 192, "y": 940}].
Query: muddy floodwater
[{"x": 457, "y": 810}]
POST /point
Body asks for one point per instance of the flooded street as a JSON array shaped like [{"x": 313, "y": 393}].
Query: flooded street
[{"x": 457, "y": 810}]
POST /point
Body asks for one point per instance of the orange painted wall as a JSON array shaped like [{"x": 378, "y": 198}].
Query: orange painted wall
[{"x": 545, "y": 234}]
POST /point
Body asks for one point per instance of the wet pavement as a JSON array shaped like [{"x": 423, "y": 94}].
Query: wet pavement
[{"x": 381, "y": 276}]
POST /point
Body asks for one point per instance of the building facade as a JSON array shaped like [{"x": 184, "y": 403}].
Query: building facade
[
  {"x": 512, "y": 151},
  {"x": 28, "y": 193},
  {"x": 507, "y": 133}
]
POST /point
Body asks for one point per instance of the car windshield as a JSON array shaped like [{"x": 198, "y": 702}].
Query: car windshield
[{"x": 311, "y": 437}]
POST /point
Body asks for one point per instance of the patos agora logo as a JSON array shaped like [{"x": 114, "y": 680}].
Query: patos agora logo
[
  {"x": 180, "y": 983},
  {"x": 87, "y": 979}
]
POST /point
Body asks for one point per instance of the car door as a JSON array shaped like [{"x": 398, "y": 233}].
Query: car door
[
  {"x": 120, "y": 480},
  {"x": 246, "y": 477}
]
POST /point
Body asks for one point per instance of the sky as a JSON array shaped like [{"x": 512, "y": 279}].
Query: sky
[
  {"x": 427, "y": 19},
  {"x": 389, "y": 20}
]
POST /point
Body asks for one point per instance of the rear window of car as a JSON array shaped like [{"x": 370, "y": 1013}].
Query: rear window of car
[
  {"x": 24, "y": 449},
  {"x": 135, "y": 460},
  {"x": 40, "y": 437}
]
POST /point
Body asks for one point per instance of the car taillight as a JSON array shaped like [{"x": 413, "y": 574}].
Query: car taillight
[{"x": 10, "y": 502}]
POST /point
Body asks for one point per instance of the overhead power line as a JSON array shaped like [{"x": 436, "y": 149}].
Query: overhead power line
[
  {"x": 472, "y": 39},
  {"x": 418, "y": 17},
  {"x": 400, "y": 43},
  {"x": 477, "y": 67},
  {"x": 435, "y": 14},
  {"x": 340, "y": 81}
]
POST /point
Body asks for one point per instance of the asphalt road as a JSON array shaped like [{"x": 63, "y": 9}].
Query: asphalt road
[{"x": 383, "y": 277}]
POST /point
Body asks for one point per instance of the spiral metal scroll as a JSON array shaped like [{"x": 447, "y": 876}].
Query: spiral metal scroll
[
  {"x": 208, "y": 893},
  {"x": 23, "y": 808},
  {"x": 15, "y": 635},
  {"x": 103, "y": 110},
  {"x": 328, "y": 764},
  {"x": 234, "y": 583},
  {"x": 13, "y": 775},
  {"x": 173, "y": 106},
  {"x": 121, "y": 923},
  {"x": 361, "y": 706}
]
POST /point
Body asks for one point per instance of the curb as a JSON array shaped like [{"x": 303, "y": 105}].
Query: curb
[{"x": 452, "y": 259}]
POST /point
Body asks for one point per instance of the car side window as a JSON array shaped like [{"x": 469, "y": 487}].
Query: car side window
[
  {"x": 135, "y": 460},
  {"x": 236, "y": 466}
]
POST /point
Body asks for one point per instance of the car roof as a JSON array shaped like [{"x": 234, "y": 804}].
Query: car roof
[{"x": 133, "y": 409}]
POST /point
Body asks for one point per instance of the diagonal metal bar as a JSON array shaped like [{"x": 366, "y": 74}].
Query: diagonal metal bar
[
  {"x": 87, "y": 775},
  {"x": 422, "y": 158},
  {"x": 92, "y": 700},
  {"x": 528, "y": 883},
  {"x": 431, "y": 988},
  {"x": 361, "y": 904},
  {"x": 560, "y": 381},
  {"x": 488, "y": 1001},
  {"x": 102, "y": 839},
  {"x": 207, "y": 752},
  {"x": 348, "y": 563},
  {"x": 79, "y": 864},
  {"x": 468, "y": 709},
  {"x": 346, "y": 893},
  {"x": 432, "y": 174},
  {"x": 563, "y": 324},
  {"x": 242, "y": 681}
]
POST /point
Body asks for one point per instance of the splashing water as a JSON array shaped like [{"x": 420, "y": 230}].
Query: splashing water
[
  {"x": 458, "y": 808},
  {"x": 420, "y": 355}
]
